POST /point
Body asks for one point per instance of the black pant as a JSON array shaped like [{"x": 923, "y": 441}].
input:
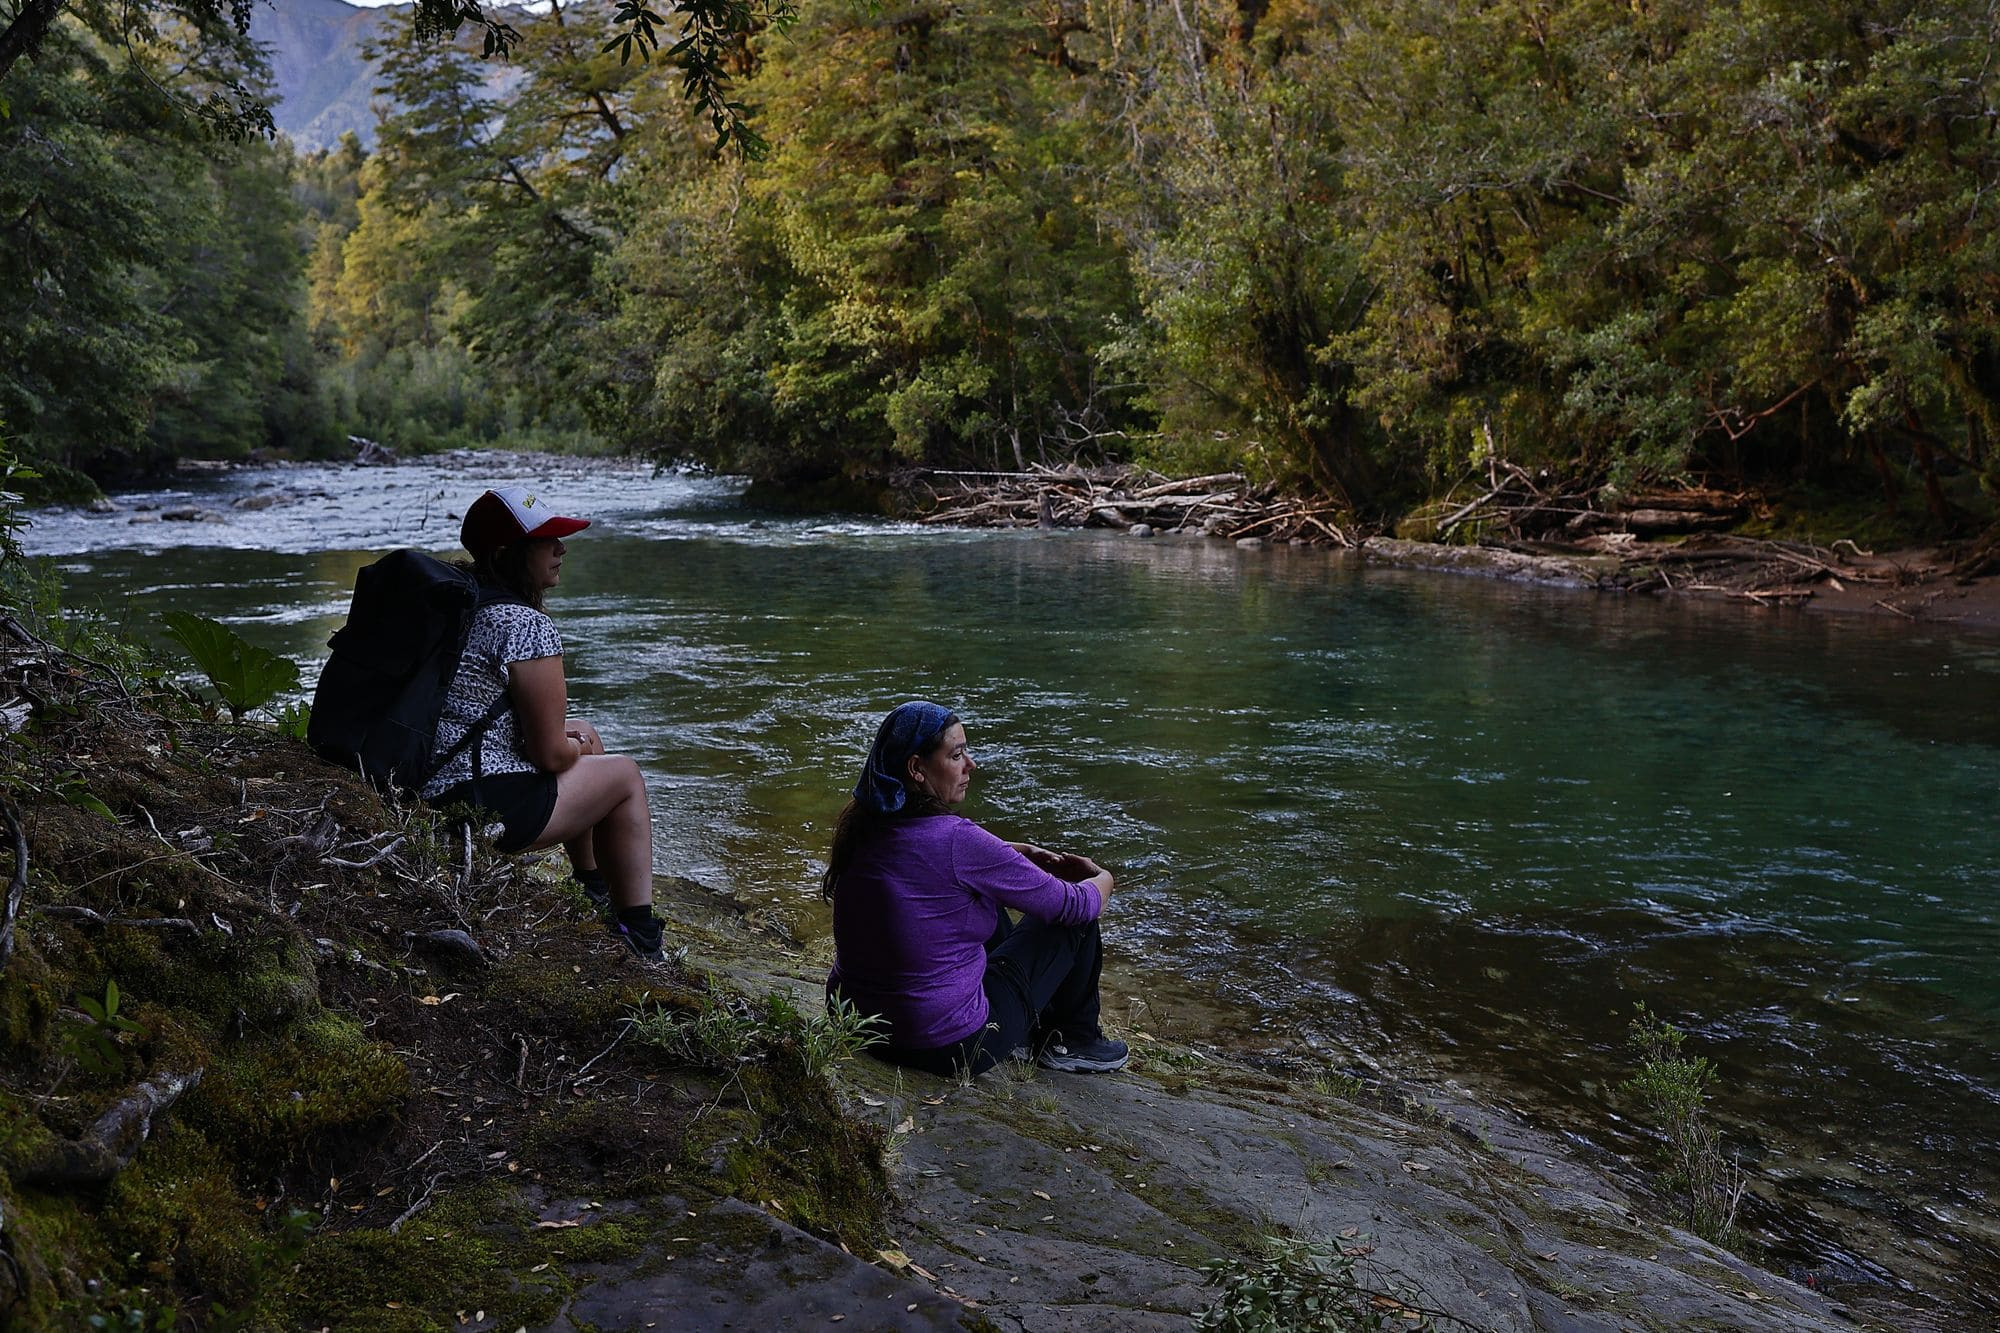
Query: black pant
[{"x": 1040, "y": 980}]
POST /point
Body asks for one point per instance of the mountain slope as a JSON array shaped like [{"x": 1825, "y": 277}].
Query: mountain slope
[{"x": 325, "y": 88}]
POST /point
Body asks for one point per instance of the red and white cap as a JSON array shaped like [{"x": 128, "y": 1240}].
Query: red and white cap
[{"x": 509, "y": 514}]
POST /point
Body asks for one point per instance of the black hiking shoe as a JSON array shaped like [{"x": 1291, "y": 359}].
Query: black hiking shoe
[
  {"x": 595, "y": 889},
  {"x": 645, "y": 938},
  {"x": 1091, "y": 1055}
]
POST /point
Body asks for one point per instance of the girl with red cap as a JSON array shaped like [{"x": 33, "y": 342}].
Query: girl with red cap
[{"x": 543, "y": 775}]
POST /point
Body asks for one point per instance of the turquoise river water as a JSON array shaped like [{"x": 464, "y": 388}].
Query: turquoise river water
[{"x": 1441, "y": 826}]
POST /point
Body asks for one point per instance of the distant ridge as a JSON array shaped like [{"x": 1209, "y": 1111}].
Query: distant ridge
[{"x": 324, "y": 87}]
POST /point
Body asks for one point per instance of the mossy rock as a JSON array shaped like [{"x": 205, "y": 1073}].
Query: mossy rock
[
  {"x": 178, "y": 1208},
  {"x": 270, "y": 1098},
  {"x": 416, "y": 1280},
  {"x": 24, "y": 1137},
  {"x": 472, "y": 1251},
  {"x": 824, "y": 1170},
  {"x": 57, "y": 1246},
  {"x": 28, "y": 1004}
]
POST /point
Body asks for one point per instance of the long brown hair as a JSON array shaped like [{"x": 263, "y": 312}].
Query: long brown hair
[
  {"x": 857, "y": 823},
  {"x": 506, "y": 568}
]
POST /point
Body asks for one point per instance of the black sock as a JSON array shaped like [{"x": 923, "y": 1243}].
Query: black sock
[{"x": 635, "y": 916}]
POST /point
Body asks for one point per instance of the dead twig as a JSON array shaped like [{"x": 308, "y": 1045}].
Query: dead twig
[
  {"x": 623, "y": 1032},
  {"x": 423, "y": 1202},
  {"x": 1460, "y": 514},
  {"x": 422, "y": 1157},
  {"x": 372, "y": 861},
  {"x": 64, "y": 911}
]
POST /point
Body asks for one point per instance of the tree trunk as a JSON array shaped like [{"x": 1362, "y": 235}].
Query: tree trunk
[
  {"x": 25, "y": 33},
  {"x": 1891, "y": 493}
]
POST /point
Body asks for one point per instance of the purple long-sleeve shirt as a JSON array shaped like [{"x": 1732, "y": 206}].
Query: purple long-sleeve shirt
[{"x": 912, "y": 914}]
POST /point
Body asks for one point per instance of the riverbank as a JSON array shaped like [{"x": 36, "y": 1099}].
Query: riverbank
[
  {"x": 281, "y": 1055},
  {"x": 1683, "y": 544},
  {"x": 1681, "y": 553},
  {"x": 1917, "y": 586}
]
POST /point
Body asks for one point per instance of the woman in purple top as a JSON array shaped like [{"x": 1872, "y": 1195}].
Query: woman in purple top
[{"x": 922, "y": 928}]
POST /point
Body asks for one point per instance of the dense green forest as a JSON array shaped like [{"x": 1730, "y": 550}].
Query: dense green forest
[{"x": 1355, "y": 248}]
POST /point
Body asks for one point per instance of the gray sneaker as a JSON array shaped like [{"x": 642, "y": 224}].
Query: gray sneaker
[{"x": 1089, "y": 1055}]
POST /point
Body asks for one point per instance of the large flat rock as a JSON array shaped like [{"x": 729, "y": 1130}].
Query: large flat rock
[
  {"x": 1058, "y": 1201},
  {"x": 1050, "y": 1203}
]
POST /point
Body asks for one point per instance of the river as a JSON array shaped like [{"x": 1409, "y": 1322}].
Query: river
[{"x": 1441, "y": 825}]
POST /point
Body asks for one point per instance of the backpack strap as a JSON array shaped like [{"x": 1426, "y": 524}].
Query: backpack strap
[
  {"x": 483, "y": 594},
  {"x": 473, "y": 734}
]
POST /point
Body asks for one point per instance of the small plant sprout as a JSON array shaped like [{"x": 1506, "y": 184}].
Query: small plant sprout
[
  {"x": 725, "y": 1032},
  {"x": 1673, "y": 1089},
  {"x": 842, "y": 1033},
  {"x": 97, "y": 1044},
  {"x": 1337, "y": 1083}
]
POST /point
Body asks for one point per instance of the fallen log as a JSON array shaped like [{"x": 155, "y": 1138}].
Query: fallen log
[
  {"x": 111, "y": 1143},
  {"x": 1703, "y": 501},
  {"x": 1646, "y": 521},
  {"x": 1186, "y": 484}
]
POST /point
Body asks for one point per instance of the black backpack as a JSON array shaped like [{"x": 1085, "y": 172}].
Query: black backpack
[{"x": 377, "y": 703}]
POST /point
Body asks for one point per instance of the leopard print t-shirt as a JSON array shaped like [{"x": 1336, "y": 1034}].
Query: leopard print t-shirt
[{"x": 501, "y": 634}]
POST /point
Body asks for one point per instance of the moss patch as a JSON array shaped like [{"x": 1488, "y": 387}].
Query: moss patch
[
  {"x": 272, "y": 1098},
  {"x": 348, "y": 1077},
  {"x": 824, "y": 1170},
  {"x": 178, "y": 1208}
]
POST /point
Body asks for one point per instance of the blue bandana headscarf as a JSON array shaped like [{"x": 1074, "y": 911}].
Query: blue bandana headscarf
[{"x": 905, "y": 732}]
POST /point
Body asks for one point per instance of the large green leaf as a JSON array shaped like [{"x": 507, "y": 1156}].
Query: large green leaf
[{"x": 244, "y": 675}]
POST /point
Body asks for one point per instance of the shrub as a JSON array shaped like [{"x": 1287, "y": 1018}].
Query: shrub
[{"x": 1673, "y": 1088}]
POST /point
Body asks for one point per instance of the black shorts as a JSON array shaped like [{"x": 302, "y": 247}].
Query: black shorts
[{"x": 522, "y": 802}]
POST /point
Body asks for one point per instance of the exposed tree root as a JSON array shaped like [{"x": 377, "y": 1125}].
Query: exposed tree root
[
  {"x": 97, "y": 918},
  {"x": 114, "y": 1140},
  {"x": 17, "y": 886}
]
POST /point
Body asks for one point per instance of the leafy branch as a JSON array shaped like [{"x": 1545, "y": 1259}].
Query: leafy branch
[
  {"x": 710, "y": 29},
  {"x": 1300, "y": 1284}
]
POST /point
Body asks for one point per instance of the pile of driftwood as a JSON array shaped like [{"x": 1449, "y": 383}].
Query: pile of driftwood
[
  {"x": 1534, "y": 515},
  {"x": 1583, "y": 514},
  {"x": 1664, "y": 538},
  {"x": 1223, "y": 504},
  {"x": 1756, "y": 570}
]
